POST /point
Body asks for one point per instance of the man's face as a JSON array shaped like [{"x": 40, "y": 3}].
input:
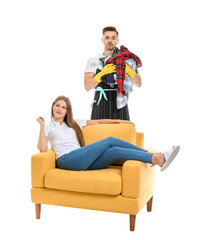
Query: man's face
[{"x": 110, "y": 40}]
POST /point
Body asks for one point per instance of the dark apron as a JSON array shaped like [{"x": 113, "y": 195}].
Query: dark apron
[{"x": 107, "y": 109}]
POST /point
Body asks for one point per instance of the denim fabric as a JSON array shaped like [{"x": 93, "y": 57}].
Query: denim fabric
[
  {"x": 100, "y": 154},
  {"x": 108, "y": 78}
]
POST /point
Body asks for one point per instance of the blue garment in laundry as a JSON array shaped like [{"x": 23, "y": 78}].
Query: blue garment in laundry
[{"x": 108, "y": 78}]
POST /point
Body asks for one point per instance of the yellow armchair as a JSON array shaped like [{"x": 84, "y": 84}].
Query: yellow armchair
[{"x": 123, "y": 187}]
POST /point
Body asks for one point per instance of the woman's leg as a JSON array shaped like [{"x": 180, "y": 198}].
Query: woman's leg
[
  {"x": 82, "y": 158},
  {"x": 118, "y": 153},
  {"x": 116, "y": 142}
]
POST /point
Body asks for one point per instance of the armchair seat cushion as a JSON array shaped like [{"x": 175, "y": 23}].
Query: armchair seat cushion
[{"x": 103, "y": 181}]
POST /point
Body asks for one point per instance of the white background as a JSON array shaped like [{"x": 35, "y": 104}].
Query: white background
[{"x": 44, "y": 47}]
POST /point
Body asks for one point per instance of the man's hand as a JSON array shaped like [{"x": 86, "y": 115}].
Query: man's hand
[
  {"x": 109, "y": 68},
  {"x": 130, "y": 72}
]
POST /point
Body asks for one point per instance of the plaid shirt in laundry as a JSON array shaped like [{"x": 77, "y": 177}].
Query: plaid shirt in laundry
[{"x": 119, "y": 60}]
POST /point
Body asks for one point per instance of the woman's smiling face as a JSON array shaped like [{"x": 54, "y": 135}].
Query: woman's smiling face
[{"x": 59, "y": 110}]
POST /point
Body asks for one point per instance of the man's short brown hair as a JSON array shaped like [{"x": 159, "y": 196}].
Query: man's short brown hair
[{"x": 111, "y": 28}]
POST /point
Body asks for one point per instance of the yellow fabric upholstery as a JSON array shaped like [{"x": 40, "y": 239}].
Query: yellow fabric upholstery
[
  {"x": 140, "y": 139},
  {"x": 141, "y": 175},
  {"x": 40, "y": 164},
  {"x": 105, "y": 181},
  {"x": 100, "y": 202},
  {"x": 122, "y": 189},
  {"x": 94, "y": 133}
]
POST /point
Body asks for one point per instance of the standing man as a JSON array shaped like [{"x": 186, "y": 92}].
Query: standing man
[{"x": 105, "y": 99}]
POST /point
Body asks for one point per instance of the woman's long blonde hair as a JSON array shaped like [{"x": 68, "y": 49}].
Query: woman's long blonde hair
[{"x": 69, "y": 119}]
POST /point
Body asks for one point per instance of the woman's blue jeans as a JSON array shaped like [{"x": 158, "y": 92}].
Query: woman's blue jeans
[{"x": 100, "y": 154}]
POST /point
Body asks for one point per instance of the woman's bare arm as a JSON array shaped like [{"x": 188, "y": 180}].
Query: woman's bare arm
[{"x": 42, "y": 144}]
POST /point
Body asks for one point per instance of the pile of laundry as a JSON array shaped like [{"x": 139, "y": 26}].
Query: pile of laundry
[{"x": 120, "y": 81}]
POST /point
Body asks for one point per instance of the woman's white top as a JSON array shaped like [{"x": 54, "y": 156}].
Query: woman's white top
[{"x": 62, "y": 138}]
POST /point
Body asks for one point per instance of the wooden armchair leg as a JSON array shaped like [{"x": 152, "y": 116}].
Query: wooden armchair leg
[
  {"x": 37, "y": 210},
  {"x": 132, "y": 222},
  {"x": 149, "y": 204}
]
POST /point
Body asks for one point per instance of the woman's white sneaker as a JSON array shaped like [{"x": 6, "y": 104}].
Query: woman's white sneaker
[{"x": 169, "y": 157}]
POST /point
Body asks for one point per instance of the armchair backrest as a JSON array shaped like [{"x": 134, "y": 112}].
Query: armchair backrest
[{"x": 94, "y": 133}]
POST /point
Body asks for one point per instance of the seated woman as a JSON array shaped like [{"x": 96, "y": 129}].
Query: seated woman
[{"x": 66, "y": 139}]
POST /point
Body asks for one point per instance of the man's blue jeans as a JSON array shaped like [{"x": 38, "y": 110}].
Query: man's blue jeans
[{"x": 100, "y": 154}]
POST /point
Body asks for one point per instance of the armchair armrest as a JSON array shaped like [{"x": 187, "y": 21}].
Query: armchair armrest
[
  {"x": 40, "y": 164},
  {"x": 140, "y": 139},
  {"x": 136, "y": 177}
]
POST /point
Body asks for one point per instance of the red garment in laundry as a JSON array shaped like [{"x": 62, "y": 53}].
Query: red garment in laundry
[{"x": 119, "y": 60}]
